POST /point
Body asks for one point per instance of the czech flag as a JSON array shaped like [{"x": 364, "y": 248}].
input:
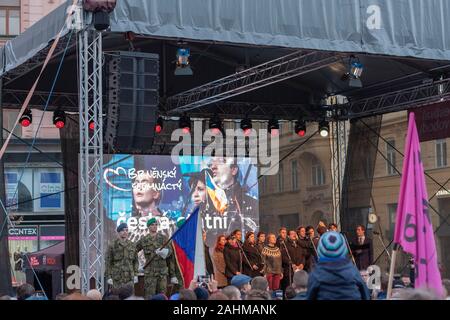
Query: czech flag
[
  {"x": 216, "y": 194},
  {"x": 189, "y": 249}
]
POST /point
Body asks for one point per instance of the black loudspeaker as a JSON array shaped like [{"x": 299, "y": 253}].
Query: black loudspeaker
[{"x": 133, "y": 98}]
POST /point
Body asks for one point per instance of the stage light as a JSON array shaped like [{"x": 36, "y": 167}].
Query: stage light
[
  {"x": 273, "y": 127},
  {"x": 159, "y": 125},
  {"x": 324, "y": 128},
  {"x": 215, "y": 124},
  {"x": 185, "y": 123},
  {"x": 300, "y": 128},
  {"x": 183, "y": 68},
  {"x": 246, "y": 126},
  {"x": 353, "y": 76},
  {"x": 100, "y": 10},
  {"x": 26, "y": 119},
  {"x": 59, "y": 119},
  {"x": 91, "y": 125}
]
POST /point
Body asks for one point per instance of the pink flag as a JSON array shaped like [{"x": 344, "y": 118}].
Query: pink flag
[{"x": 413, "y": 228}]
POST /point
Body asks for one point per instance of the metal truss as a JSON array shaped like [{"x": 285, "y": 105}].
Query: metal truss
[
  {"x": 37, "y": 60},
  {"x": 339, "y": 130},
  {"x": 257, "y": 111},
  {"x": 13, "y": 99},
  {"x": 408, "y": 98},
  {"x": 289, "y": 66},
  {"x": 91, "y": 160}
]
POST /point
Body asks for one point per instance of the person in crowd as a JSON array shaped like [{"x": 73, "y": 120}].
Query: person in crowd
[
  {"x": 261, "y": 242},
  {"x": 76, "y": 296},
  {"x": 232, "y": 293},
  {"x": 242, "y": 282},
  {"x": 258, "y": 295},
  {"x": 121, "y": 259},
  {"x": 446, "y": 285},
  {"x": 233, "y": 258},
  {"x": 282, "y": 236},
  {"x": 415, "y": 294},
  {"x": 25, "y": 291},
  {"x": 5, "y": 298},
  {"x": 272, "y": 262},
  {"x": 159, "y": 296},
  {"x": 186, "y": 294},
  {"x": 362, "y": 248},
  {"x": 156, "y": 271},
  {"x": 61, "y": 296},
  {"x": 311, "y": 242},
  {"x": 218, "y": 296},
  {"x": 260, "y": 283},
  {"x": 238, "y": 235},
  {"x": 219, "y": 262},
  {"x": 300, "y": 285},
  {"x": 208, "y": 262},
  {"x": 289, "y": 293},
  {"x": 201, "y": 293},
  {"x": 126, "y": 291},
  {"x": 334, "y": 276},
  {"x": 94, "y": 294},
  {"x": 332, "y": 227},
  {"x": 252, "y": 260}
]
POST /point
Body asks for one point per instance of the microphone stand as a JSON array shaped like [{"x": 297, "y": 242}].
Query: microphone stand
[
  {"x": 349, "y": 248},
  {"x": 243, "y": 253},
  {"x": 290, "y": 262},
  {"x": 382, "y": 243}
]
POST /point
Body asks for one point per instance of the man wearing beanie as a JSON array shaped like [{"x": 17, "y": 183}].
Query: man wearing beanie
[
  {"x": 334, "y": 276},
  {"x": 121, "y": 259},
  {"x": 156, "y": 269}
]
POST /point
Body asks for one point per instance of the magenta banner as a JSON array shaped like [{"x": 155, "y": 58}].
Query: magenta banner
[{"x": 413, "y": 228}]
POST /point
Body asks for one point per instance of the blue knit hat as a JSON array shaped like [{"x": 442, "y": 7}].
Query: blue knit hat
[{"x": 332, "y": 246}]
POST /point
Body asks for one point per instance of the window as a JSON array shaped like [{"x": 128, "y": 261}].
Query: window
[
  {"x": 390, "y": 155},
  {"x": 318, "y": 175},
  {"x": 392, "y": 210},
  {"x": 294, "y": 176},
  {"x": 441, "y": 153},
  {"x": 280, "y": 179},
  {"x": 10, "y": 19},
  {"x": 290, "y": 221}
]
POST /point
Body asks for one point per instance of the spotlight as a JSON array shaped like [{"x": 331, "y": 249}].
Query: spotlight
[
  {"x": 26, "y": 119},
  {"x": 246, "y": 126},
  {"x": 300, "y": 128},
  {"x": 215, "y": 124},
  {"x": 185, "y": 123},
  {"x": 273, "y": 127},
  {"x": 91, "y": 125},
  {"x": 59, "y": 119},
  {"x": 353, "y": 76},
  {"x": 101, "y": 10},
  {"x": 324, "y": 128},
  {"x": 159, "y": 125},
  {"x": 183, "y": 68}
]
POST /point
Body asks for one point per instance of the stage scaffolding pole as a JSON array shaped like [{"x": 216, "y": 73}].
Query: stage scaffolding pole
[
  {"x": 90, "y": 57},
  {"x": 338, "y": 143}
]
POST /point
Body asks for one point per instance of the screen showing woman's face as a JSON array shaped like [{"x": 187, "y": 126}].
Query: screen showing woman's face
[
  {"x": 199, "y": 194},
  {"x": 143, "y": 192}
]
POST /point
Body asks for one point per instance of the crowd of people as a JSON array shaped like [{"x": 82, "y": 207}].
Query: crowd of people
[{"x": 293, "y": 265}]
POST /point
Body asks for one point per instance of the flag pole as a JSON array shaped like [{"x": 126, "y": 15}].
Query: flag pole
[{"x": 391, "y": 271}]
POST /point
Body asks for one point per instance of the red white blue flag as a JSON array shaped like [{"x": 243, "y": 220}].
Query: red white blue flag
[{"x": 189, "y": 249}]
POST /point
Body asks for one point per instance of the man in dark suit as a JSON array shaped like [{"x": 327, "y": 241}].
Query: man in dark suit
[{"x": 362, "y": 248}]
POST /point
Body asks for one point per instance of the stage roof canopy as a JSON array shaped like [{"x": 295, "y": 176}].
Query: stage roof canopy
[{"x": 401, "y": 43}]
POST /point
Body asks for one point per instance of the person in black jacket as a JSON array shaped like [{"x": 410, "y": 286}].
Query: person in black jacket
[
  {"x": 233, "y": 258},
  {"x": 252, "y": 267},
  {"x": 293, "y": 258},
  {"x": 208, "y": 262},
  {"x": 362, "y": 248}
]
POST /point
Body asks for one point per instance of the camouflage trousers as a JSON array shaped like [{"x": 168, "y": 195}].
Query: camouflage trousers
[{"x": 155, "y": 283}]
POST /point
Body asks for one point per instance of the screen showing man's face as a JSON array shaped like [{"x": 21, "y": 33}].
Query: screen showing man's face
[
  {"x": 143, "y": 191},
  {"x": 223, "y": 172}
]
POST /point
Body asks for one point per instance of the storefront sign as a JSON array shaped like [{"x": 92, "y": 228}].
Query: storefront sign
[{"x": 23, "y": 233}]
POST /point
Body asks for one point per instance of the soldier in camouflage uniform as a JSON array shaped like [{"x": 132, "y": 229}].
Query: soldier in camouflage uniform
[
  {"x": 121, "y": 259},
  {"x": 157, "y": 271}
]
